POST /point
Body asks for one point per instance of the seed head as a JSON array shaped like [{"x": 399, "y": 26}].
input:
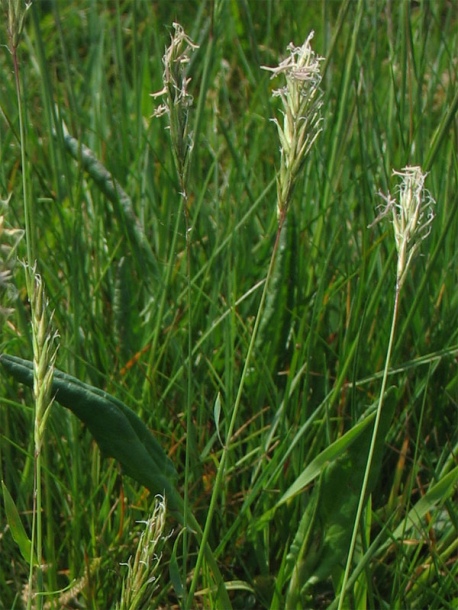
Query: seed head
[
  {"x": 412, "y": 214},
  {"x": 301, "y": 99},
  {"x": 178, "y": 100},
  {"x": 44, "y": 341},
  {"x": 143, "y": 568}
]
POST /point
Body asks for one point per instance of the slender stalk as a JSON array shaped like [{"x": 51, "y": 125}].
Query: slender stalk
[
  {"x": 224, "y": 456},
  {"x": 42, "y": 337},
  {"x": 189, "y": 422},
  {"x": 411, "y": 216},
  {"x": 15, "y": 12},
  {"x": 176, "y": 106},
  {"x": 28, "y": 209},
  {"x": 362, "y": 497},
  {"x": 301, "y": 102}
]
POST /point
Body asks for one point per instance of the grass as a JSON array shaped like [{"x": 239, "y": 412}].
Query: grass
[{"x": 162, "y": 318}]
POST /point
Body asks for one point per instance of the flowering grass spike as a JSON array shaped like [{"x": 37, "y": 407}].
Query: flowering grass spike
[
  {"x": 178, "y": 100},
  {"x": 301, "y": 101},
  {"x": 412, "y": 216},
  {"x": 143, "y": 569}
]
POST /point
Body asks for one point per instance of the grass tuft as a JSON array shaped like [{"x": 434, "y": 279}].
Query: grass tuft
[{"x": 216, "y": 274}]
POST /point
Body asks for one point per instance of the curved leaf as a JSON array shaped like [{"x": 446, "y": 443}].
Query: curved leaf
[{"x": 119, "y": 432}]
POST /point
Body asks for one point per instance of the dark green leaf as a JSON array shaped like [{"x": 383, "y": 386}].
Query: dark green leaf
[{"x": 119, "y": 432}]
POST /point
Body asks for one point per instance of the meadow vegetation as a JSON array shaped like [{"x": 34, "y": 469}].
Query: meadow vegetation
[{"x": 196, "y": 242}]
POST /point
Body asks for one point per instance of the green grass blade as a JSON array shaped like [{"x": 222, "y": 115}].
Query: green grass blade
[
  {"x": 17, "y": 528},
  {"x": 436, "y": 494},
  {"x": 330, "y": 454}
]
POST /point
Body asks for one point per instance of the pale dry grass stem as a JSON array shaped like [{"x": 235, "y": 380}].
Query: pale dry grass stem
[{"x": 176, "y": 106}]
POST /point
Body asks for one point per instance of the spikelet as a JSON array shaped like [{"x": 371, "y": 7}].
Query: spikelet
[
  {"x": 412, "y": 215},
  {"x": 301, "y": 100}
]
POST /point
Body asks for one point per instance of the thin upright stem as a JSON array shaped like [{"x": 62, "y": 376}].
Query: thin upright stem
[
  {"x": 233, "y": 420},
  {"x": 362, "y": 497},
  {"x": 188, "y": 230},
  {"x": 28, "y": 211},
  {"x": 36, "y": 545}
]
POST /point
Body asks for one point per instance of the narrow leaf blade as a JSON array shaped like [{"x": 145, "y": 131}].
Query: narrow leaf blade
[{"x": 16, "y": 526}]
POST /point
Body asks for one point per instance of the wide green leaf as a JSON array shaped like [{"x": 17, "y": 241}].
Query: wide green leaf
[{"x": 119, "y": 432}]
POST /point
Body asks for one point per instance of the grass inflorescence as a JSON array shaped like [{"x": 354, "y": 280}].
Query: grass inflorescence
[{"x": 203, "y": 235}]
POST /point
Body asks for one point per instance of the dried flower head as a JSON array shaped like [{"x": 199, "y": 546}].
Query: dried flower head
[
  {"x": 412, "y": 216},
  {"x": 178, "y": 100},
  {"x": 301, "y": 99}
]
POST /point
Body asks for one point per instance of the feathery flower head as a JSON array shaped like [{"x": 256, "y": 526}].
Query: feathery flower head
[
  {"x": 44, "y": 342},
  {"x": 178, "y": 100},
  {"x": 142, "y": 569},
  {"x": 412, "y": 216},
  {"x": 174, "y": 76},
  {"x": 301, "y": 102}
]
